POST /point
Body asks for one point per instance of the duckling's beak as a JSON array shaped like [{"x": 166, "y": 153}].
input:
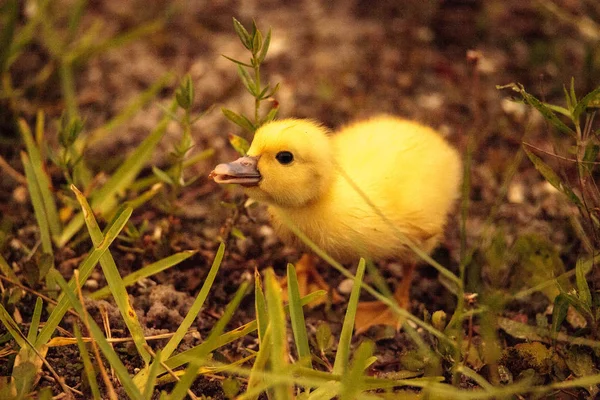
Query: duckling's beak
[{"x": 243, "y": 171}]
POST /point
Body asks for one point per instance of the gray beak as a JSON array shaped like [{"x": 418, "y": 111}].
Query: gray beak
[{"x": 243, "y": 171}]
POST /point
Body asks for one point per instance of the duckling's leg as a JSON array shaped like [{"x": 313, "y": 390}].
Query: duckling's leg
[
  {"x": 371, "y": 313},
  {"x": 310, "y": 280}
]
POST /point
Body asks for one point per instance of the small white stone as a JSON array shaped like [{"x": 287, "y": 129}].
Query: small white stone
[
  {"x": 431, "y": 101},
  {"x": 514, "y": 109},
  {"x": 20, "y": 194},
  {"x": 516, "y": 193},
  {"x": 345, "y": 286},
  {"x": 91, "y": 284}
]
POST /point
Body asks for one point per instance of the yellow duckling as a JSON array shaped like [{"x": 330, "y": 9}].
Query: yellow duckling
[{"x": 309, "y": 176}]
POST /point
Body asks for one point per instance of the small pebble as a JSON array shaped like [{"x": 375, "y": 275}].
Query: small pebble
[
  {"x": 345, "y": 286},
  {"x": 516, "y": 193},
  {"x": 20, "y": 194},
  {"x": 91, "y": 284}
]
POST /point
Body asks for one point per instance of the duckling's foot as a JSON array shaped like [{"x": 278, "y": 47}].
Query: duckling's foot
[
  {"x": 310, "y": 280},
  {"x": 371, "y": 313}
]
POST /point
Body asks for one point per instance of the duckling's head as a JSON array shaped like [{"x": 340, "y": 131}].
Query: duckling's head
[{"x": 289, "y": 164}]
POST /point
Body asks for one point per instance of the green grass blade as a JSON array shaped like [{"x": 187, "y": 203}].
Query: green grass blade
[
  {"x": 12, "y": 327},
  {"x": 196, "y": 306},
  {"x": 97, "y": 335},
  {"x": 10, "y": 12},
  {"x": 343, "y": 354},
  {"x": 260, "y": 307},
  {"x": 255, "y": 379},
  {"x": 152, "y": 375},
  {"x": 147, "y": 271},
  {"x": 106, "y": 198},
  {"x": 297, "y": 318},
  {"x": 85, "y": 270},
  {"x": 35, "y": 320},
  {"x": 41, "y": 178},
  {"x": 277, "y": 326},
  {"x": 114, "y": 280},
  {"x": 180, "y": 390},
  {"x": 88, "y": 366},
  {"x": 353, "y": 379},
  {"x": 233, "y": 305},
  {"x": 37, "y": 201},
  {"x": 67, "y": 85}
]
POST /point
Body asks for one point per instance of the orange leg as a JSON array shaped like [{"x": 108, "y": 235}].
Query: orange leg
[{"x": 371, "y": 313}]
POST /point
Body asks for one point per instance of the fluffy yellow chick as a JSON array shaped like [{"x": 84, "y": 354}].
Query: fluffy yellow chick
[{"x": 308, "y": 175}]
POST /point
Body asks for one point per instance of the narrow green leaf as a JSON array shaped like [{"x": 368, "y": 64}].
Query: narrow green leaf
[
  {"x": 270, "y": 115},
  {"x": 570, "y": 104},
  {"x": 353, "y": 381},
  {"x": 162, "y": 176},
  {"x": 239, "y": 120},
  {"x": 260, "y": 307},
  {"x": 559, "y": 312},
  {"x": 247, "y": 80},
  {"x": 85, "y": 269},
  {"x": 153, "y": 375},
  {"x": 592, "y": 96},
  {"x": 180, "y": 391},
  {"x": 42, "y": 179},
  {"x": 10, "y": 12},
  {"x": 265, "y": 48},
  {"x": 243, "y": 34},
  {"x": 88, "y": 366},
  {"x": 147, "y": 271},
  {"x": 96, "y": 333},
  {"x": 343, "y": 354},
  {"x": 573, "y": 95},
  {"x": 113, "y": 278},
  {"x": 37, "y": 201},
  {"x": 559, "y": 109},
  {"x": 192, "y": 314},
  {"x": 238, "y": 62},
  {"x": 239, "y": 144},
  {"x": 257, "y": 39},
  {"x": 12, "y": 327},
  {"x": 552, "y": 177},
  {"x": 35, "y": 320},
  {"x": 260, "y": 365},
  {"x": 297, "y": 317},
  {"x": 583, "y": 290},
  {"x": 277, "y": 325},
  {"x": 75, "y": 15},
  {"x": 231, "y": 308}
]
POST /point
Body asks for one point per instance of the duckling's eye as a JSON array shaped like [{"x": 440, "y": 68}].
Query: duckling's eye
[{"x": 284, "y": 157}]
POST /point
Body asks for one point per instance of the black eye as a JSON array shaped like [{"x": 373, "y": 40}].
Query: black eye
[{"x": 284, "y": 157}]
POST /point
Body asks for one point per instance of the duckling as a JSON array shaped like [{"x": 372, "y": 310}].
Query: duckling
[{"x": 318, "y": 180}]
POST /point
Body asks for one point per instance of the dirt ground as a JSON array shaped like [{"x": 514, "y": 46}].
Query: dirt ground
[{"x": 336, "y": 61}]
